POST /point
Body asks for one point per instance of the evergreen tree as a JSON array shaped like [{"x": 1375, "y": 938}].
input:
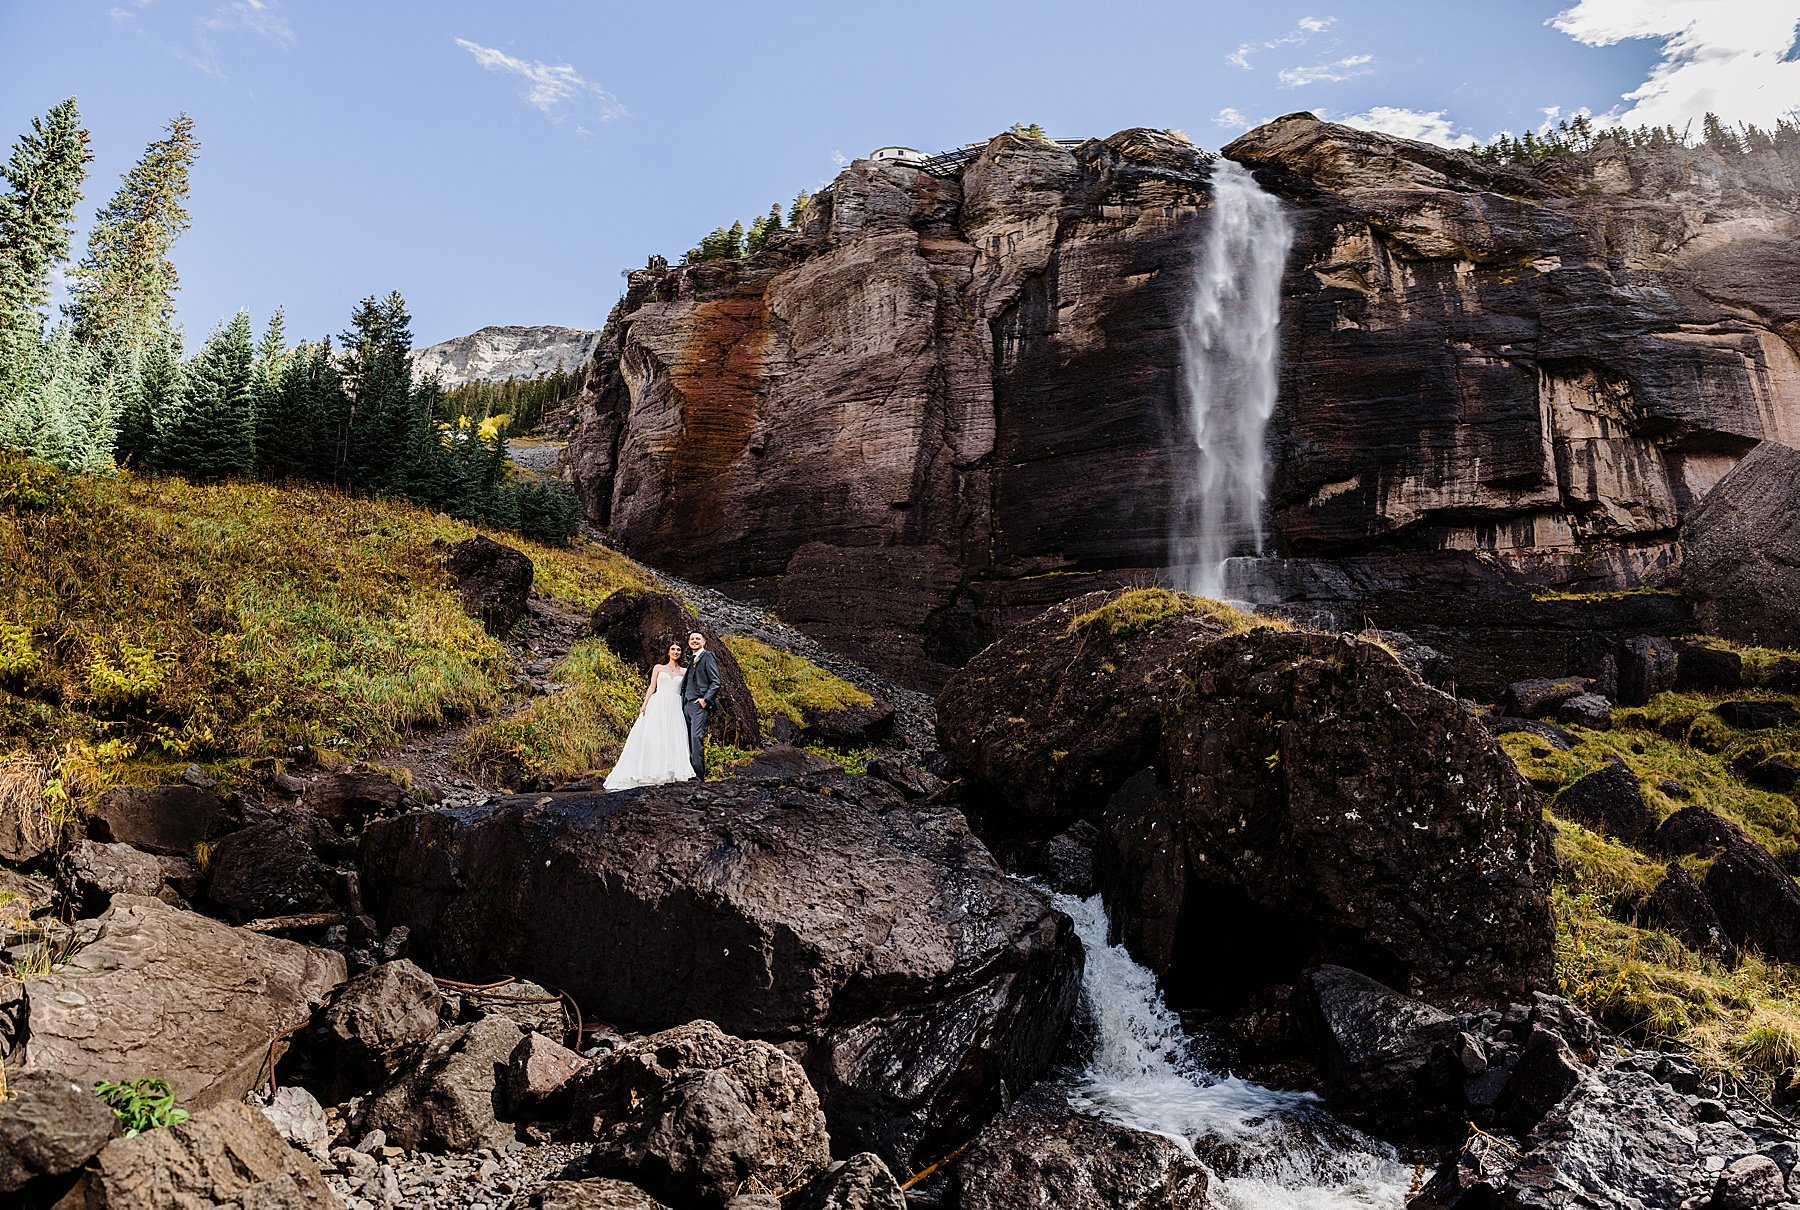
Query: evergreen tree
[
  {"x": 150, "y": 409},
  {"x": 69, "y": 418},
  {"x": 271, "y": 354},
  {"x": 42, "y": 183},
  {"x": 124, "y": 291},
  {"x": 388, "y": 424},
  {"x": 801, "y": 201},
  {"x": 1719, "y": 136},
  {"x": 215, "y": 435}
]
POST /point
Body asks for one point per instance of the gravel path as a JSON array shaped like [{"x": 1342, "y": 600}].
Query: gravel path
[
  {"x": 476, "y": 1180},
  {"x": 538, "y": 457}
]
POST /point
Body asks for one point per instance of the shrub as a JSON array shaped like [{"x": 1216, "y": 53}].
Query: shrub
[{"x": 142, "y": 1105}]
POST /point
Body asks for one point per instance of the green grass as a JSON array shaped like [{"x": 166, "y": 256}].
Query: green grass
[
  {"x": 1643, "y": 983},
  {"x": 567, "y": 734},
  {"x": 785, "y": 685},
  {"x": 1143, "y": 609},
  {"x": 147, "y": 622}
]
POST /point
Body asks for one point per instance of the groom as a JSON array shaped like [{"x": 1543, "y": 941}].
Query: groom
[{"x": 699, "y": 694}]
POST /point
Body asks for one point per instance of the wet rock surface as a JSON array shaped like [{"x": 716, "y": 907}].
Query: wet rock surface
[
  {"x": 495, "y": 581},
  {"x": 1281, "y": 798},
  {"x": 725, "y": 903}
]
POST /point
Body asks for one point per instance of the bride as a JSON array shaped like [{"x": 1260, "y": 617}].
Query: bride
[{"x": 656, "y": 751}]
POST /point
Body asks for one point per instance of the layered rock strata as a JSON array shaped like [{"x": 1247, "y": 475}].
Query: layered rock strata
[{"x": 939, "y": 404}]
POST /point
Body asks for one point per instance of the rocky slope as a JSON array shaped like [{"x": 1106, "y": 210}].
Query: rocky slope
[
  {"x": 497, "y": 353},
  {"x": 941, "y": 403}
]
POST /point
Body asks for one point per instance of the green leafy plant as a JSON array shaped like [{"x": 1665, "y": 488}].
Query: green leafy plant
[{"x": 146, "y": 1104}]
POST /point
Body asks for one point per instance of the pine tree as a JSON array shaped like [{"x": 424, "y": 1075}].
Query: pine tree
[
  {"x": 124, "y": 291},
  {"x": 1719, "y": 136},
  {"x": 386, "y": 423},
  {"x": 42, "y": 180},
  {"x": 216, "y": 433},
  {"x": 801, "y": 201},
  {"x": 69, "y": 418},
  {"x": 271, "y": 352},
  {"x": 151, "y": 406}
]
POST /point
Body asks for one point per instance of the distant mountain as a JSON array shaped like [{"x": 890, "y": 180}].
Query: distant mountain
[{"x": 498, "y": 353}]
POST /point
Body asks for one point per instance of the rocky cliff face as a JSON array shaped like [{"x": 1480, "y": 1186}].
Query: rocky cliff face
[
  {"x": 941, "y": 403},
  {"x": 495, "y": 354}
]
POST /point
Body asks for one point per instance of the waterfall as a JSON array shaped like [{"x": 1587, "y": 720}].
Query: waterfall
[
  {"x": 1269, "y": 1150},
  {"x": 1229, "y": 344}
]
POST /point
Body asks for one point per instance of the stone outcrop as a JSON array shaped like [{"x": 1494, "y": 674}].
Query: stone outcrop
[
  {"x": 450, "y": 1097},
  {"x": 172, "y": 994},
  {"x": 695, "y": 1116},
  {"x": 940, "y": 403},
  {"x": 228, "y": 1155},
  {"x": 499, "y": 352},
  {"x": 495, "y": 581},
  {"x": 50, "y": 1125},
  {"x": 1743, "y": 549},
  {"x": 1270, "y": 777},
  {"x": 726, "y": 902}
]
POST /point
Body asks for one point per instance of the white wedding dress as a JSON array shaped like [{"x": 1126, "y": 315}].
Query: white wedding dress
[{"x": 656, "y": 751}]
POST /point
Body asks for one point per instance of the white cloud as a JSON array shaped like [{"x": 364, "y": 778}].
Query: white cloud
[
  {"x": 1232, "y": 118},
  {"x": 1730, "y": 58},
  {"x": 552, "y": 86},
  {"x": 1347, "y": 68},
  {"x": 1302, "y": 32},
  {"x": 1427, "y": 126},
  {"x": 258, "y": 16},
  {"x": 839, "y": 158}
]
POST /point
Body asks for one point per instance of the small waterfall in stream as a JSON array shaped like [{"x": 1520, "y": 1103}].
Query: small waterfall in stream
[
  {"x": 1270, "y": 1150},
  {"x": 1230, "y": 344}
]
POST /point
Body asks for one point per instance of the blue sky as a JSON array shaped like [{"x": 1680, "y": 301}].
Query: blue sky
[{"x": 504, "y": 163}]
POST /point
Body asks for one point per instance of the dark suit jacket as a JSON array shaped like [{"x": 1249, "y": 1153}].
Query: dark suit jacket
[{"x": 702, "y": 680}]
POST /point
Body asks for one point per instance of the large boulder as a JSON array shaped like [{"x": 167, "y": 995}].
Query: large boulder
[
  {"x": 1755, "y": 901},
  {"x": 1385, "y": 1056},
  {"x": 374, "y": 1024},
  {"x": 640, "y": 623},
  {"x": 1042, "y": 1153},
  {"x": 1610, "y": 800},
  {"x": 1289, "y": 795},
  {"x": 946, "y": 983},
  {"x": 1741, "y": 550},
  {"x": 279, "y": 867},
  {"x": 50, "y": 1125},
  {"x": 695, "y": 1116},
  {"x": 160, "y": 819},
  {"x": 861, "y": 1182},
  {"x": 227, "y": 1155},
  {"x": 450, "y": 1098},
  {"x": 174, "y": 995},
  {"x": 495, "y": 581}
]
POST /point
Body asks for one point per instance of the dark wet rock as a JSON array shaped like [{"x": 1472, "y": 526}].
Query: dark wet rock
[
  {"x": 1589, "y": 710},
  {"x": 1547, "y": 1071},
  {"x": 1703, "y": 667},
  {"x": 352, "y": 798},
  {"x": 909, "y": 779},
  {"x": 92, "y": 872},
  {"x": 1679, "y": 906},
  {"x": 1774, "y": 773},
  {"x": 639, "y": 624},
  {"x": 50, "y": 1125},
  {"x": 180, "y": 996},
  {"x": 1554, "y": 736},
  {"x": 1674, "y": 789},
  {"x": 1646, "y": 668},
  {"x": 160, "y": 819},
  {"x": 1758, "y": 716},
  {"x": 226, "y": 1155},
  {"x": 538, "y": 1073},
  {"x": 1756, "y": 901},
  {"x": 1541, "y": 697},
  {"x": 1423, "y": 660},
  {"x": 449, "y": 1098},
  {"x": 372, "y": 1026},
  {"x": 1042, "y": 1153},
  {"x": 848, "y": 726},
  {"x": 1291, "y": 801},
  {"x": 861, "y": 1182},
  {"x": 696, "y": 1116},
  {"x": 784, "y": 762},
  {"x": 1067, "y": 859},
  {"x": 1610, "y": 800},
  {"x": 1470, "y": 1179},
  {"x": 1742, "y": 550},
  {"x": 495, "y": 581},
  {"x": 281, "y": 866},
  {"x": 1386, "y": 1058},
  {"x": 725, "y": 902}
]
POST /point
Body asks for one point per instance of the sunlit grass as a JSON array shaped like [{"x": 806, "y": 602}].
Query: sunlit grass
[
  {"x": 785, "y": 685},
  {"x": 567, "y": 734}
]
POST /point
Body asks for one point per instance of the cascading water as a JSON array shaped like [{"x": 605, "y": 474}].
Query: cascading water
[
  {"x": 1270, "y": 1150},
  {"x": 1229, "y": 349}
]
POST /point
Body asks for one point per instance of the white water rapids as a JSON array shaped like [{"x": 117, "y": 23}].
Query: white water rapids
[
  {"x": 1230, "y": 343},
  {"x": 1269, "y": 1150}
]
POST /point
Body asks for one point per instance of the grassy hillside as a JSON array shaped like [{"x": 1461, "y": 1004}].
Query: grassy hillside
[
  {"x": 1642, "y": 982},
  {"x": 147, "y": 623}
]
